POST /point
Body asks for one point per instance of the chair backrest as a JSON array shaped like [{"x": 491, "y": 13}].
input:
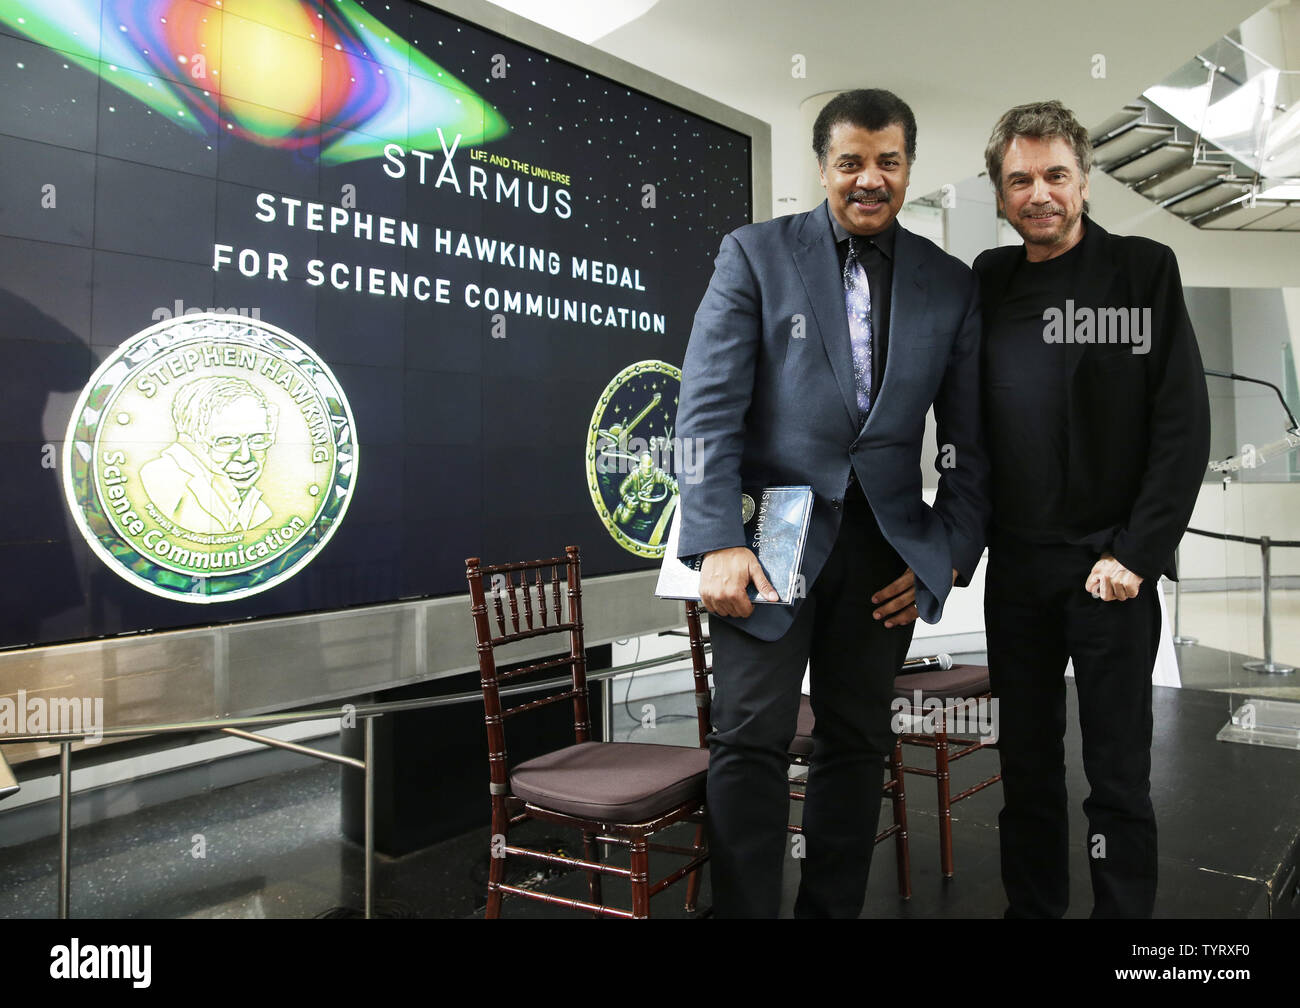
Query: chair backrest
[
  {"x": 700, "y": 667},
  {"x": 539, "y": 616}
]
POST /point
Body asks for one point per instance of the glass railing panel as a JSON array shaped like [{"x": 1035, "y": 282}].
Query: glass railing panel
[
  {"x": 1239, "y": 103},
  {"x": 1238, "y": 116},
  {"x": 1184, "y": 94},
  {"x": 1281, "y": 148}
]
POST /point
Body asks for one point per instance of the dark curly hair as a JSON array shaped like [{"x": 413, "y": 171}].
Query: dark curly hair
[{"x": 870, "y": 108}]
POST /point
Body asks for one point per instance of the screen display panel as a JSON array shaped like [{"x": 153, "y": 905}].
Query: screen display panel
[{"x": 304, "y": 302}]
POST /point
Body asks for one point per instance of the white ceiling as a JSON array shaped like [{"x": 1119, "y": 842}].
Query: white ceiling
[
  {"x": 584, "y": 20},
  {"x": 958, "y": 63}
]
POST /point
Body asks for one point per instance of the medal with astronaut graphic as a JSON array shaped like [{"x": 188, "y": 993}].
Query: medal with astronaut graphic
[{"x": 633, "y": 457}]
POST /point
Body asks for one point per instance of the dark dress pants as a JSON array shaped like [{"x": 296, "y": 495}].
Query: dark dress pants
[
  {"x": 1037, "y": 614},
  {"x": 854, "y": 660}
]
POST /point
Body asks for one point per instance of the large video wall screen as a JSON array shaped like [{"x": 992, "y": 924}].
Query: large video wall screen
[{"x": 304, "y": 302}]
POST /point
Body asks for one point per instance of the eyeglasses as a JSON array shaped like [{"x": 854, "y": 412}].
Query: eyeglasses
[{"x": 230, "y": 443}]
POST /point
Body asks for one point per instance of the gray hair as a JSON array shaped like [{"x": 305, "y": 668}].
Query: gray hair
[
  {"x": 196, "y": 402},
  {"x": 1038, "y": 121}
]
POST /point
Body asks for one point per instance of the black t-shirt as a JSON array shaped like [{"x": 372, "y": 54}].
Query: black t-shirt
[{"x": 1026, "y": 398}]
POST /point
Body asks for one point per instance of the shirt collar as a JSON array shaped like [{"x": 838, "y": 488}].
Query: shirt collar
[{"x": 883, "y": 241}]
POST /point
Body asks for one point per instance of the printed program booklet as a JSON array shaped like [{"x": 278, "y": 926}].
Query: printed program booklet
[{"x": 776, "y": 524}]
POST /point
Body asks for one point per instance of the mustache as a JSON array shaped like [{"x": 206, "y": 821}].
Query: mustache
[{"x": 863, "y": 195}]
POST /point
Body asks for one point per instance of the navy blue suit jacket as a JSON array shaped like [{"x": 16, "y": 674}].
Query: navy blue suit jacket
[{"x": 768, "y": 394}]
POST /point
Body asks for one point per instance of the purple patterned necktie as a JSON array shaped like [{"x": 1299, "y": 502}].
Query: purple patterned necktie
[{"x": 857, "y": 299}]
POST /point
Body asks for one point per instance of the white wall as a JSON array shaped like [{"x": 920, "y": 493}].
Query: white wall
[
  {"x": 1260, "y": 336},
  {"x": 1249, "y": 509}
]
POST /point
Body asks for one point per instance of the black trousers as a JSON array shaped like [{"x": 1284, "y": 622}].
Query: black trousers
[
  {"x": 1037, "y": 613},
  {"x": 854, "y": 660}
]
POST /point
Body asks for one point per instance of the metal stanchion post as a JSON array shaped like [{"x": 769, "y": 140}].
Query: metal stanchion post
[
  {"x": 65, "y": 827},
  {"x": 1267, "y": 666},
  {"x": 1179, "y": 639},
  {"x": 606, "y": 735},
  {"x": 228, "y": 725},
  {"x": 8, "y": 782},
  {"x": 370, "y": 815}
]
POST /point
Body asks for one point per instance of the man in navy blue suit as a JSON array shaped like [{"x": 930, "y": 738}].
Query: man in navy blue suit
[{"x": 822, "y": 342}]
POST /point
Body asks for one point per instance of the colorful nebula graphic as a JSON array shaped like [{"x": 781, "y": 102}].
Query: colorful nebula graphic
[{"x": 289, "y": 74}]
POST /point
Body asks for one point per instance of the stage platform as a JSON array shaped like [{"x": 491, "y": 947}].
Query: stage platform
[
  {"x": 1229, "y": 818},
  {"x": 1228, "y": 815}
]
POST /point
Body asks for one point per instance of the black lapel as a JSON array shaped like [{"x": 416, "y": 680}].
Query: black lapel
[
  {"x": 1097, "y": 287},
  {"x": 907, "y": 294}
]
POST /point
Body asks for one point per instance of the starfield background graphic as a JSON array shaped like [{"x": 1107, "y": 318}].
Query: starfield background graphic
[{"x": 474, "y": 236}]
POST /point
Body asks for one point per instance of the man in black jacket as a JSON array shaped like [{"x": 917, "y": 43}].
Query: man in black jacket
[{"x": 1098, "y": 435}]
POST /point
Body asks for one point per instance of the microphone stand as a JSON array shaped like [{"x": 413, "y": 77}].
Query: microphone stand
[
  {"x": 1258, "y": 456},
  {"x": 1249, "y": 460}
]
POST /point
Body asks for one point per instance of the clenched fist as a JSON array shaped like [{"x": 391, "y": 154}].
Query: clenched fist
[{"x": 1111, "y": 581}]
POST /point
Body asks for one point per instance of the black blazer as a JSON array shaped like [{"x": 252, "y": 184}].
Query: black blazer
[{"x": 1139, "y": 423}]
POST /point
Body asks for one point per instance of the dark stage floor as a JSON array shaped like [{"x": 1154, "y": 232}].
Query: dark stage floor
[{"x": 1229, "y": 828}]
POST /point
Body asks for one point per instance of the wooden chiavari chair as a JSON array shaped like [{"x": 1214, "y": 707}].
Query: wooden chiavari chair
[
  {"x": 801, "y": 747},
  {"x": 946, "y": 697},
  {"x": 616, "y": 793}
]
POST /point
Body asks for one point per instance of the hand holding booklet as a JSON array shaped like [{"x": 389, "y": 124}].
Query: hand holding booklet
[{"x": 776, "y": 527}]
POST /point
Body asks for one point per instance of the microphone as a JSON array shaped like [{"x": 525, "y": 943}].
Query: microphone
[
  {"x": 939, "y": 661},
  {"x": 1253, "y": 457}
]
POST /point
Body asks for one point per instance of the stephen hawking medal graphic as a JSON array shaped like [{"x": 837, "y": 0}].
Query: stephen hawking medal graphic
[
  {"x": 633, "y": 459},
  {"x": 210, "y": 458}
]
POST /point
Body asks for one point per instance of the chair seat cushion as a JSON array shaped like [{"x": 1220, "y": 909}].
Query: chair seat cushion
[
  {"x": 802, "y": 743},
  {"x": 624, "y": 782},
  {"x": 964, "y": 681}
]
